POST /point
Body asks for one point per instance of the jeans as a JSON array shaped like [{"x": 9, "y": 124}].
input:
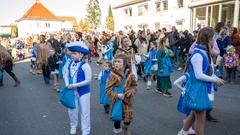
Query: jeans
[
  {"x": 220, "y": 66},
  {"x": 178, "y": 60},
  {"x": 230, "y": 73}
]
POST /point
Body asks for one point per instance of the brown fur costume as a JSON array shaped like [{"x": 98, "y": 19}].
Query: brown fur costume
[{"x": 130, "y": 89}]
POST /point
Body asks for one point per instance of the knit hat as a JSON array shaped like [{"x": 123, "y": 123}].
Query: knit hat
[
  {"x": 78, "y": 47},
  {"x": 230, "y": 49}
]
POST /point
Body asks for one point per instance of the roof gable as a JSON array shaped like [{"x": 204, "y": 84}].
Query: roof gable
[{"x": 38, "y": 12}]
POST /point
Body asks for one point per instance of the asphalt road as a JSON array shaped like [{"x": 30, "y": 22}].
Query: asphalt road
[{"x": 33, "y": 109}]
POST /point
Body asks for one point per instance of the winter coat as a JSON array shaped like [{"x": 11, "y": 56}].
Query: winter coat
[
  {"x": 130, "y": 89},
  {"x": 222, "y": 44}
]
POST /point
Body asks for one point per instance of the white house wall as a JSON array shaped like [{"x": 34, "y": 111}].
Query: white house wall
[
  {"x": 165, "y": 18},
  {"x": 67, "y": 25},
  {"x": 29, "y": 27}
]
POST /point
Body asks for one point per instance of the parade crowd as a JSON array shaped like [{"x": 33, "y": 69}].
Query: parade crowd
[{"x": 206, "y": 58}]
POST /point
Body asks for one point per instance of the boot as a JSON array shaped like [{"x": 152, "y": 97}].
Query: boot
[
  {"x": 209, "y": 116},
  {"x": 1, "y": 82},
  {"x": 17, "y": 82}
]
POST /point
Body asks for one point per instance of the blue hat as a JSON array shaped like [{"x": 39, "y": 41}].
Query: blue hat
[{"x": 78, "y": 47}]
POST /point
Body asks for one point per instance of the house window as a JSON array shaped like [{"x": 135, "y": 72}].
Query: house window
[
  {"x": 128, "y": 12},
  {"x": 142, "y": 26},
  {"x": 161, "y": 5},
  {"x": 158, "y": 6},
  {"x": 47, "y": 25},
  {"x": 157, "y": 26},
  {"x": 145, "y": 8},
  {"x": 128, "y": 27},
  {"x": 180, "y": 3},
  {"x": 142, "y": 9},
  {"x": 38, "y": 25},
  {"x": 227, "y": 14},
  {"x": 165, "y": 5}
]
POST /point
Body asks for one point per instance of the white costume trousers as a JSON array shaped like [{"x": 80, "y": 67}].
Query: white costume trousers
[{"x": 82, "y": 106}]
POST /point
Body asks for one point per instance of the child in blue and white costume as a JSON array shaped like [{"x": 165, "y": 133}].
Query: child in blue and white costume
[
  {"x": 66, "y": 60},
  {"x": 108, "y": 51},
  {"x": 34, "y": 58},
  {"x": 103, "y": 77},
  {"x": 199, "y": 70},
  {"x": 151, "y": 65},
  {"x": 81, "y": 75}
]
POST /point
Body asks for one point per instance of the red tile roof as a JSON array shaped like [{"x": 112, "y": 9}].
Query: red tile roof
[
  {"x": 38, "y": 12},
  {"x": 129, "y": 3}
]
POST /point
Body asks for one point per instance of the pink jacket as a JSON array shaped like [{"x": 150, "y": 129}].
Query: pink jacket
[{"x": 215, "y": 49}]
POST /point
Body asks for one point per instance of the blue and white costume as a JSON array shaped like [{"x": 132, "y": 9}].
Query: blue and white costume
[
  {"x": 66, "y": 60},
  {"x": 81, "y": 75},
  {"x": 34, "y": 53},
  {"x": 151, "y": 64},
  {"x": 198, "y": 70},
  {"x": 180, "y": 83},
  {"x": 108, "y": 51},
  {"x": 103, "y": 77}
]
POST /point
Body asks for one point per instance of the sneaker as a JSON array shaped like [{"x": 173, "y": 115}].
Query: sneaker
[
  {"x": 73, "y": 131},
  {"x": 58, "y": 90},
  {"x": 211, "y": 119},
  {"x": 182, "y": 132},
  {"x": 39, "y": 72},
  {"x": 167, "y": 94},
  {"x": 117, "y": 131},
  {"x": 191, "y": 131},
  {"x": 158, "y": 91},
  {"x": 148, "y": 87},
  {"x": 179, "y": 69}
]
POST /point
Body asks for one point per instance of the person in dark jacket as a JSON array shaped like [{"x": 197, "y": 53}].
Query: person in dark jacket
[
  {"x": 223, "y": 41},
  {"x": 185, "y": 43},
  {"x": 53, "y": 63},
  {"x": 173, "y": 38},
  {"x": 132, "y": 37},
  {"x": 54, "y": 43}
]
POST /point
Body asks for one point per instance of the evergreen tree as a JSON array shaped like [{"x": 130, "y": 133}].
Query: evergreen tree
[
  {"x": 93, "y": 14},
  {"x": 110, "y": 19},
  {"x": 83, "y": 24}
]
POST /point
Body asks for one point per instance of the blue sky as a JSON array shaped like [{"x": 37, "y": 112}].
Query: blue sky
[{"x": 11, "y": 10}]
